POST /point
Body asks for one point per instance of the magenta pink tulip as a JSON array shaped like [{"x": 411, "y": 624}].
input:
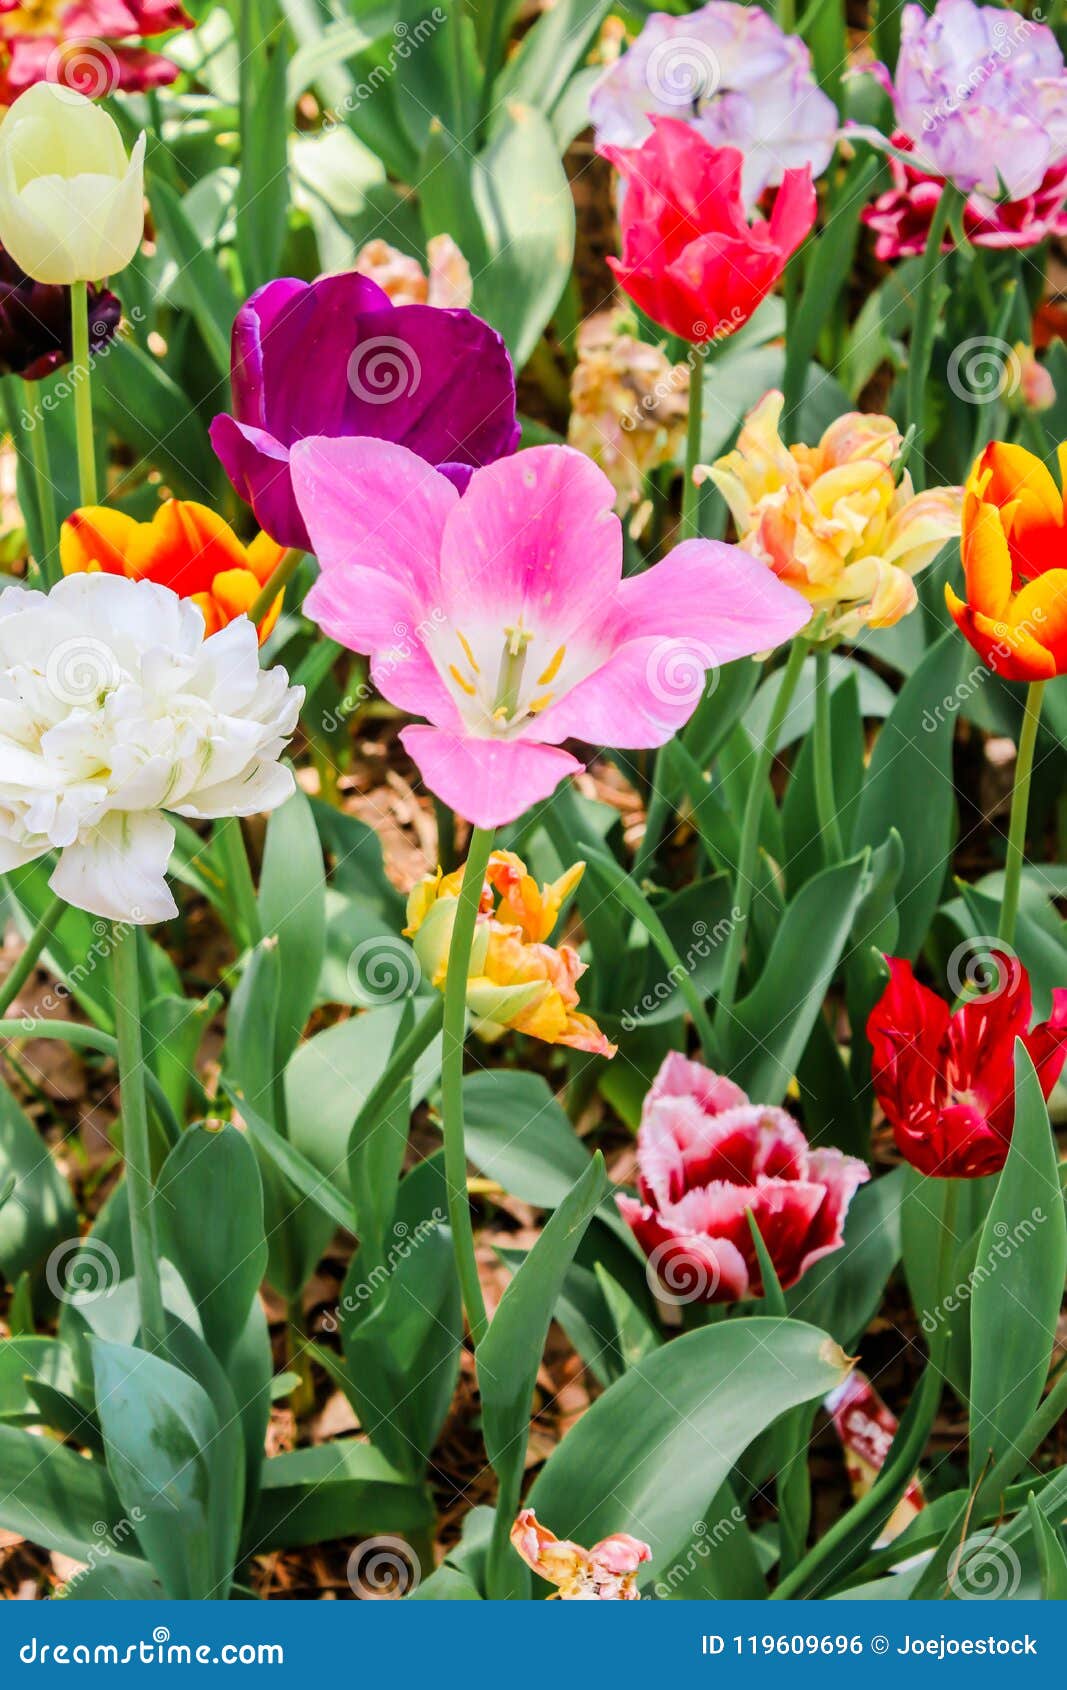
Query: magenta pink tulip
[{"x": 503, "y": 617}]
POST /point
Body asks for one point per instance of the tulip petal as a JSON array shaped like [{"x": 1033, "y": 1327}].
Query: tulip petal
[
  {"x": 490, "y": 781},
  {"x": 119, "y": 872}
]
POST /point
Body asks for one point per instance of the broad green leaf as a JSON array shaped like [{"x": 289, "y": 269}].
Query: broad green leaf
[
  {"x": 202, "y": 286},
  {"x": 1050, "y": 1554},
  {"x": 1015, "y": 1304},
  {"x": 292, "y": 907},
  {"x": 159, "y": 1426},
  {"x": 330, "y": 1491},
  {"x": 909, "y": 787},
  {"x": 263, "y": 190},
  {"x": 518, "y": 1135},
  {"x": 58, "y": 1501},
  {"x": 38, "y": 1220},
  {"x": 651, "y": 1453},
  {"x": 24, "y": 1362},
  {"x": 771, "y": 1025},
  {"x": 844, "y": 1290},
  {"x": 509, "y": 1356},
  {"x": 209, "y": 1218}
]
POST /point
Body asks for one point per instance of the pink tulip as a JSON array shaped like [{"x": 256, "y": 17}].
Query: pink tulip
[
  {"x": 707, "y": 1158},
  {"x": 503, "y": 618}
]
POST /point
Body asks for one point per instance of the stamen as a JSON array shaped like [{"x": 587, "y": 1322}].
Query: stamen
[
  {"x": 553, "y": 669},
  {"x": 461, "y": 681},
  {"x": 467, "y": 652}
]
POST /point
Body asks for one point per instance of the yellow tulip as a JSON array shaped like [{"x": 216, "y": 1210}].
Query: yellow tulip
[{"x": 71, "y": 201}]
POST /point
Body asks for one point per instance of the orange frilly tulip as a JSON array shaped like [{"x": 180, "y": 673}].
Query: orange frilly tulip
[
  {"x": 515, "y": 980},
  {"x": 185, "y": 547},
  {"x": 605, "y": 1573},
  {"x": 1014, "y": 557}
]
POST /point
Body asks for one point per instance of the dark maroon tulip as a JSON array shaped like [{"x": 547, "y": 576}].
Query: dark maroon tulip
[
  {"x": 336, "y": 358},
  {"x": 35, "y": 322}
]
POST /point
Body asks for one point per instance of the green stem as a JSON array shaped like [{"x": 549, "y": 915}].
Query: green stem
[
  {"x": 42, "y": 474},
  {"x": 748, "y": 850},
  {"x": 455, "y": 1025},
  {"x": 924, "y": 330},
  {"x": 825, "y": 803},
  {"x": 1020, "y": 808},
  {"x": 35, "y": 944},
  {"x": 229, "y": 841},
  {"x": 83, "y": 393},
  {"x": 491, "y": 56},
  {"x": 92, "y": 1038},
  {"x": 691, "y": 492},
  {"x": 135, "y": 1146},
  {"x": 401, "y": 1063},
  {"x": 276, "y": 583}
]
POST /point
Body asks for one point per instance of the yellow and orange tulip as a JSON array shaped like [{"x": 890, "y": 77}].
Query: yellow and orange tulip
[
  {"x": 833, "y": 520},
  {"x": 1014, "y": 557},
  {"x": 515, "y": 979},
  {"x": 186, "y": 547}
]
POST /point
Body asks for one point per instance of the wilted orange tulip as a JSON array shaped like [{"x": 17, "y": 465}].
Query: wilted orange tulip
[
  {"x": 1014, "y": 539},
  {"x": 185, "y": 547},
  {"x": 605, "y": 1573}
]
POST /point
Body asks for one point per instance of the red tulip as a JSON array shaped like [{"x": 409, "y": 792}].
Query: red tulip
[
  {"x": 945, "y": 1081},
  {"x": 690, "y": 257},
  {"x": 707, "y": 1158}
]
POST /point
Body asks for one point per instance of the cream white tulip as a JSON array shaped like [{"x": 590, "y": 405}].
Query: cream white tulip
[
  {"x": 71, "y": 201},
  {"x": 115, "y": 708}
]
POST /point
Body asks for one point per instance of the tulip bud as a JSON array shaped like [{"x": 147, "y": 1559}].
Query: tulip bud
[{"x": 71, "y": 201}]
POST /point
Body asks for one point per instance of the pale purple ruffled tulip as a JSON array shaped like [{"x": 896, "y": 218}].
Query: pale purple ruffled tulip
[
  {"x": 982, "y": 95},
  {"x": 502, "y": 617},
  {"x": 730, "y": 72},
  {"x": 335, "y": 357}
]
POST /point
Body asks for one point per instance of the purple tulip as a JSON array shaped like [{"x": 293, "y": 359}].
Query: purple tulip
[
  {"x": 336, "y": 358},
  {"x": 35, "y": 331}
]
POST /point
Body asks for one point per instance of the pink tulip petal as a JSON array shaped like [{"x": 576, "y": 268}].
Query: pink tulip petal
[
  {"x": 712, "y": 596},
  {"x": 534, "y": 540},
  {"x": 489, "y": 781}
]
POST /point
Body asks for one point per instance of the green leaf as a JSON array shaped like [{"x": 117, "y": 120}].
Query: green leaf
[
  {"x": 1050, "y": 1554},
  {"x": 909, "y": 787},
  {"x": 510, "y": 1354},
  {"x": 202, "y": 287},
  {"x": 330, "y": 1491},
  {"x": 263, "y": 189},
  {"x": 518, "y": 1135},
  {"x": 292, "y": 905},
  {"x": 650, "y": 1454},
  {"x": 771, "y": 1026},
  {"x": 1016, "y": 1304},
  {"x": 209, "y": 1218},
  {"x": 307, "y": 1179},
  {"x": 135, "y": 395},
  {"x": 827, "y": 261},
  {"x": 40, "y": 1215},
  {"x": 159, "y": 1427},
  {"x": 844, "y": 1290},
  {"x": 55, "y": 1499}
]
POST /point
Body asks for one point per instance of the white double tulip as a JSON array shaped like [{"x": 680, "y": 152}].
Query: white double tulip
[{"x": 71, "y": 201}]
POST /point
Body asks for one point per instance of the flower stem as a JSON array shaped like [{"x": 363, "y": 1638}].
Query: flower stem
[
  {"x": 140, "y": 1193},
  {"x": 229, "y": 840},
  {"x": 83, "y": 392},
  {"x": 455, "y": 1023},
  {"x": 35, "y": 944},
  {"x": 1020, "y": 808},
  {"x": 42, "y": 475},
  {"x": 923, "y": 331},
  {"x": 276, "y": 583},
  {"x": 748, "y": 851},
  {"x": 825, "y": 803},
  {"x": 691, "y": 492}
]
